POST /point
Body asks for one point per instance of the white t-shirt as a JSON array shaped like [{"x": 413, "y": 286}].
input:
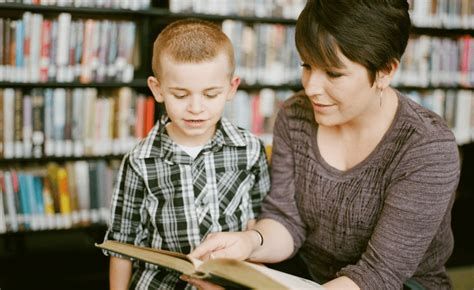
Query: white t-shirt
[{"x": 192, "y": 151}]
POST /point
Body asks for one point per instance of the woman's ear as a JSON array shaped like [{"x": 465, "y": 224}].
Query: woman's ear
[
  {"x": 384, "y": 77},
  {"x": 155, "y": 88}
]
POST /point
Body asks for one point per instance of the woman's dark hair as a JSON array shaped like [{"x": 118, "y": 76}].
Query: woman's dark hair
[{"x": 373, "y": 33}]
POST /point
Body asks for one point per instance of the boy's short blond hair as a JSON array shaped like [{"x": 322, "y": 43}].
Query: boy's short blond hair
[{"x": 191, "y": 41}]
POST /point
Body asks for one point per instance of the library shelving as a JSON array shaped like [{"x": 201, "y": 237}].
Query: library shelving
[{"x": 268, "y": 79}]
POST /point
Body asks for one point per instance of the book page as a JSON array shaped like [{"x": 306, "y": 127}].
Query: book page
[
  {"x": 175, "y": 261},
  {"x": 290, "y": 281},
  {"x": 255, "y": 276}
]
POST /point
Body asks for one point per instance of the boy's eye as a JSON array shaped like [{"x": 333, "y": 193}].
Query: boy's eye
[
  {"x": 211, "y": 96},
  {"x": 333, "y": 74},
  {"x": 178, "y": 96}
]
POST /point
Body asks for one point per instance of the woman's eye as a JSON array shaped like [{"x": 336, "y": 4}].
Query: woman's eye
[
  {"x": 305, "y": 65},
  {"x": 333, "y": 74},
  {"x": 211, "y": 96}
]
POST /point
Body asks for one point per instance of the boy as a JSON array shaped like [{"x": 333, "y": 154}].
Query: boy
[{"x": 195, "y": 173}]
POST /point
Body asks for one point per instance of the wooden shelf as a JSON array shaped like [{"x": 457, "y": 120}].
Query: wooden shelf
[
  {"x": 47, "y": 159},
  {"x": 137, "y": 83}
]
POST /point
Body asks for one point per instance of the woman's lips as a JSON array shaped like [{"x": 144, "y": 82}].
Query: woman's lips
[{"x": 322, "y": 107}]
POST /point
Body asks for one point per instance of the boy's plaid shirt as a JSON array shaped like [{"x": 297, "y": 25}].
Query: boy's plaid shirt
[{"x": 165, "y": 199}]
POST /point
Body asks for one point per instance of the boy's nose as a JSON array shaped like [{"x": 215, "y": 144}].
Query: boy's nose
[{"x": 195, "y": 106}]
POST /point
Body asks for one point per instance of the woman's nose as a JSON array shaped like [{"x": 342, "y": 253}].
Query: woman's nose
[{"x": 313, "y": 82}]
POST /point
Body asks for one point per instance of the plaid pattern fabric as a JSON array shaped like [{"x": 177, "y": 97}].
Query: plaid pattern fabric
[{"x": 166, "y": 199}]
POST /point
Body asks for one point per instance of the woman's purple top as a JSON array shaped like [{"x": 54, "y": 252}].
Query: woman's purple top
[{"x": 379, "y": 223}]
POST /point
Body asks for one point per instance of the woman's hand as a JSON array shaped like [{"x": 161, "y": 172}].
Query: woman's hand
[{"x": 232, "y": 245}]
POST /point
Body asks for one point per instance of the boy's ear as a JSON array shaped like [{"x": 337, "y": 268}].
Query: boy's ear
[
  {"x": 155, "y": 88},
  {"x": 384, "y": 77},
  {"x": 234, "y": 85}
]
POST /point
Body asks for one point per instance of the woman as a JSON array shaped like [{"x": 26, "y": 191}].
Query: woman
[{"x": 363, "y": 179}]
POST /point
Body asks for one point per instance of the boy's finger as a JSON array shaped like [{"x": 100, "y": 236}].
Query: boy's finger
[{"x": 200, "y": 283}]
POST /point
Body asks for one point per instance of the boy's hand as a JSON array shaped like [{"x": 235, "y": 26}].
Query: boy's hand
[
  {"x": 200, "y": 284},
  {"x": 231, "y": 245}
]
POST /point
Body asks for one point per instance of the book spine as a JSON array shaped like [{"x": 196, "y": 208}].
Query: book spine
[
  {"x": 10, "y": 198},
  {"x": 64, "y": 29},
  {"x": 18, "y": 124},
  {"x": 2, "y": 45},
  {"x": 81, "y": 169},
  {"x": 78, "y": 123},
  {"x": 68, "y": 148},
  {"x": 48, "y": 200},
  {"x": 27, "y": 42},
  {"x": 38, "y": 122},
  {"x": 149, "y": 115},
  {"x": 1, "y": 123},
  {"x": 3, "y": 207},
  {"x": 35, "y": 47},
  {"x": 19, "y": 53},
  {"x": 45, "y": 51},
  {"x": 8, "y": 122},
  {"x": 59, "y": 121},
  {"x": 64, "y": 197},
  {"x": 39, "y": 204},
  {"x": 27, "y": 126}
]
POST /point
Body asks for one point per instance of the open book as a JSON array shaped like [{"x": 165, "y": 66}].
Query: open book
[{"x": 224, "y": 272}]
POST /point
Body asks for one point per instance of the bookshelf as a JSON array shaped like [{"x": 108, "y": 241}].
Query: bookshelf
[{"x": 270, "y": 92}]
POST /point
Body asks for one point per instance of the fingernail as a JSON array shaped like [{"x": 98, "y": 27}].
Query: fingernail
[{"x": 184, "y": 278}]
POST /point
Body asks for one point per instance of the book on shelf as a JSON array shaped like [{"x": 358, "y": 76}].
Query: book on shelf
[
  {"x": 37, "y": 48},
  {"x": 3, "y": 222},
  {"x": 57, "y": 195},
  {"x": 224, "y": 272}
]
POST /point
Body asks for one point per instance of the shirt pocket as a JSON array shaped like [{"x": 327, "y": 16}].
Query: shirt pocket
[{"x": 233, "y": 189}]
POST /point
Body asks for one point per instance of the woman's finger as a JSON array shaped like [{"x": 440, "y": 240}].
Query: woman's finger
[{"x": 211, "y": 243}]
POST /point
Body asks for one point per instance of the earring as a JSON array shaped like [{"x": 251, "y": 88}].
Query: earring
[{"x": 380, "y": 97}]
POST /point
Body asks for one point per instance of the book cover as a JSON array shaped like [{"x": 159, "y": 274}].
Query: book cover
[{"x": 225, "y": 272}]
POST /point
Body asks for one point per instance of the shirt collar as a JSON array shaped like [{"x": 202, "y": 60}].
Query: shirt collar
[{"x": 159, "y": 144}]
